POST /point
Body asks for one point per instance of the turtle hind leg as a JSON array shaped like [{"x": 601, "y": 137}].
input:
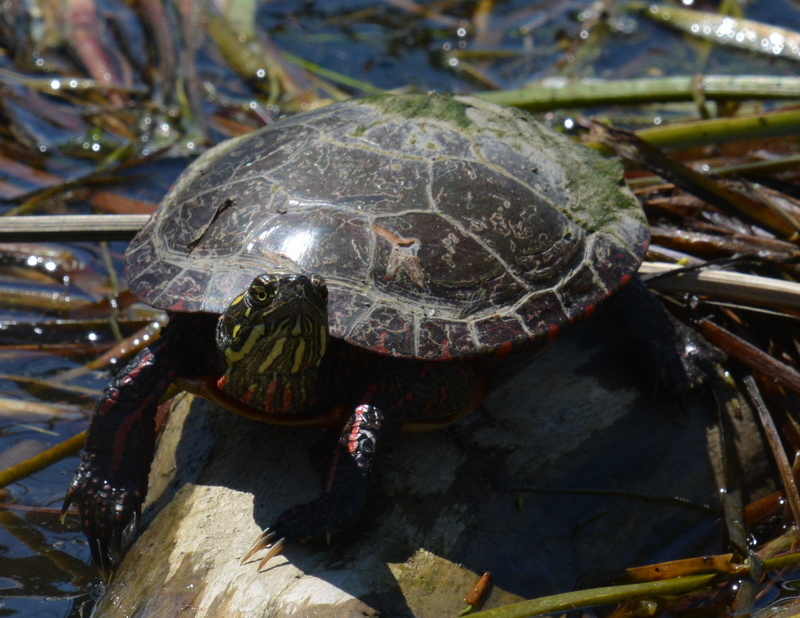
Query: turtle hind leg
[
  {"x": 678, "y": 357},
  {"x": 110, "y": 482}
]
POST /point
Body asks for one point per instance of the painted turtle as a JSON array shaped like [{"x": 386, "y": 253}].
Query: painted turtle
[{"x": 361, "y": 266}]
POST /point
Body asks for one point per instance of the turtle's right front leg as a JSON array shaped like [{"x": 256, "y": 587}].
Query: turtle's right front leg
[
  {"x": 396, "y": 394},
  {"x": 111, "y": 481}
]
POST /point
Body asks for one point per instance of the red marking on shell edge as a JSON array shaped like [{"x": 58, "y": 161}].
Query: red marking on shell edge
[
  {"x": 504, "y": 349},
  {"x": 222, "y": 382},
  {"x": 178, "y": 306},
  {"x": 445, "y": 354},
  {"x": 589, "y": 310},
  {"x": 380, "y": 344},
  {"x": 552, "y": 331},
  {"x": 625, "y": 279}
]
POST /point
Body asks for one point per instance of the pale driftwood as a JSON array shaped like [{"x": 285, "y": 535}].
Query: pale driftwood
[
  {"x": 450, "y": 505},
  {"x": 722, "y": 285},
  {"x": 63, "y": 228}
]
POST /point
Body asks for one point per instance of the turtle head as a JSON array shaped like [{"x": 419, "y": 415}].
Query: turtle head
[{"x": 271, "y": 337}]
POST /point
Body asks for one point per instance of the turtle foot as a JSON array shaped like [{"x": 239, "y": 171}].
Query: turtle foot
[
  {"x": 110, "y": 517},
  {"x": 319, "y": 519},
  {"x": 688, "y": 363},
  {"x": 678, "y": 357}
]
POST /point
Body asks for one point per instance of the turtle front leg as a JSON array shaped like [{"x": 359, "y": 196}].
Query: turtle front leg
[
  {"x": 399, "y": 393},
  {"x": 345, "y": 490},
  {"x": 110, "y": 483}
]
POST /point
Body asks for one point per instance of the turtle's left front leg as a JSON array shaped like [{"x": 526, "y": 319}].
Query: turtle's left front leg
[{"x": 429, "y": 392}]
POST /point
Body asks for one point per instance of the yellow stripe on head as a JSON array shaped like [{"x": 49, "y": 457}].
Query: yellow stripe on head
[{"x": 255, "y": 334}]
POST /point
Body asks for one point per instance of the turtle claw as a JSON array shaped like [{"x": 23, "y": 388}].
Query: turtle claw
[
  {"x": 263, "y": 541},
  {"x": 266, "y": 541},
  {"x": 274, "y": 551},
  {"x": 110, "y": 518},
  {"x": 319, "y": 519}
]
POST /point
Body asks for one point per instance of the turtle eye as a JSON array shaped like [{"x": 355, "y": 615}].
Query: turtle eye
[{"x": 260, "y": 296}]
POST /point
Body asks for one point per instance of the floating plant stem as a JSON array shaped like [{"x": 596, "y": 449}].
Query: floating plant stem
[
  {"x": 751, "y": 356},
  {"x": 44, "y": 459},
  {"x": 782, "y": 123},
  {"x": 55, "y": 85},
  {"x": 598, "y": 596},
  {"x": 558, "y": 92},
  {"x": 774, "y": 438},
  {"x": 333, "y": 76},
  {"x": 742, "y": 33}
]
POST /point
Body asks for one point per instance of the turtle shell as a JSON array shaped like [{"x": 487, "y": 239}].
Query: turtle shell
[{"x": 444, "y": 226}]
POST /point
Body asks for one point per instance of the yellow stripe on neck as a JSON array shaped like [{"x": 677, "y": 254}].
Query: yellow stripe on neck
[
  {"x": 274, "y": 353},
  {"x": 299, "y": 355}
]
